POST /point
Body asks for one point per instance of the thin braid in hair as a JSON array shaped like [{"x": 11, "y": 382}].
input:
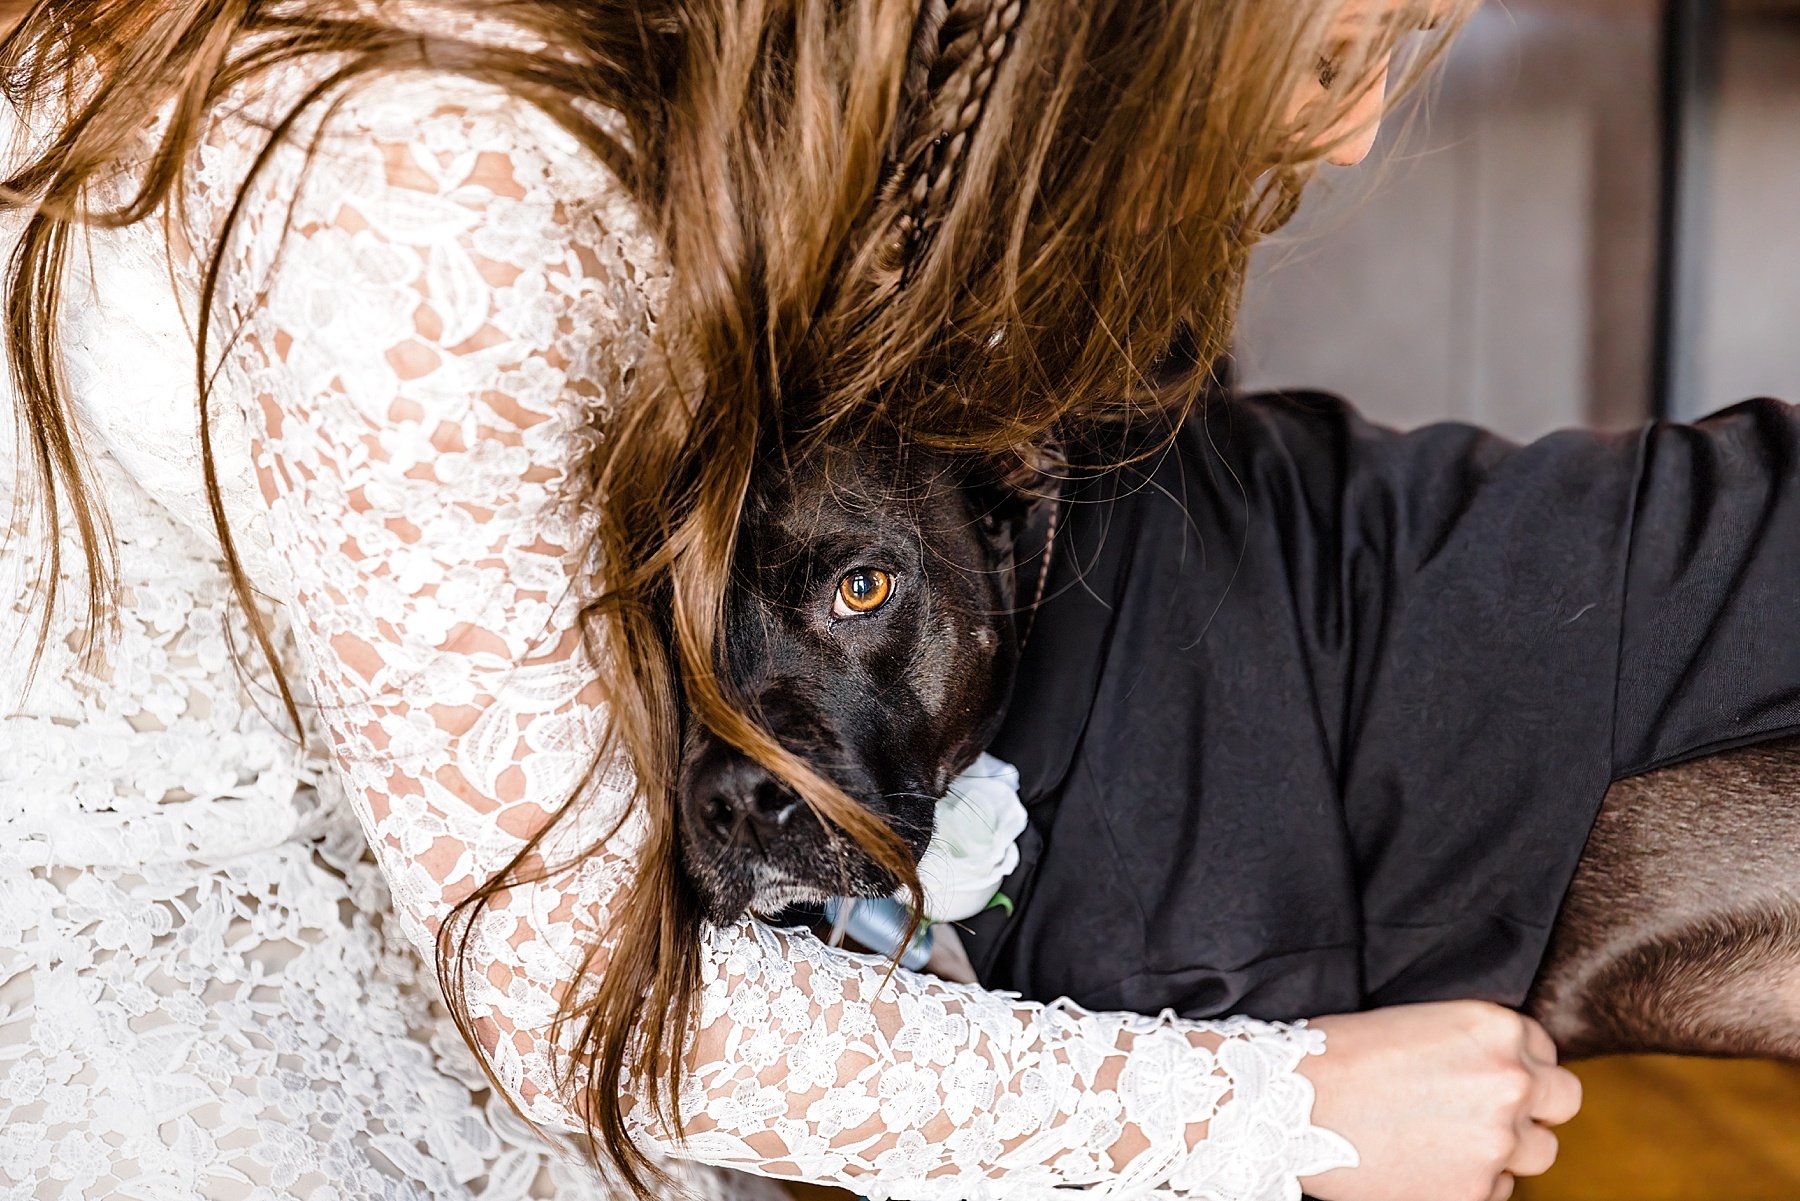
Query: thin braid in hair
[{"x": 971, "y": 41}]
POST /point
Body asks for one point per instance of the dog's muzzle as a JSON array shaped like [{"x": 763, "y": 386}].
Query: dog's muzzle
[{"x": 737, "y": 804}]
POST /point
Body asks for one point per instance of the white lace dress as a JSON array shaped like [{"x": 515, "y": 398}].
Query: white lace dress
[{"x": 215, "y": 943}]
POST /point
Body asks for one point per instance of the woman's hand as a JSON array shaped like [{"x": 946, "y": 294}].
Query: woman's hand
[{"x": 1445, "y": 1102}]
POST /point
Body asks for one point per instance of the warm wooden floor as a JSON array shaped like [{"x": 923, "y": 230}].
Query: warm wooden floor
[{"x": 1659, "y": 1129}]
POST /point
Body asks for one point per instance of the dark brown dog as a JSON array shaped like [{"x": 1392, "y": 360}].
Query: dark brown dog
[
  {"x": 871, "y": 630},
  {"x": 1681, "y": 931},
  {"x": 869, "y": 627}
]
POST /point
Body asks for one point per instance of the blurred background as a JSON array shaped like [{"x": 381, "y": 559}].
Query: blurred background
[{"x": 1594, "y": 218}]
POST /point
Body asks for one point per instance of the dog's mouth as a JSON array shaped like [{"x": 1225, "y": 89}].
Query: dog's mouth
[
  {"x": 766, "y": 890},
  {"x": 761, "y": 890},
  {"x": 807, "y": 864},
  {"x": 776, "y": 892}
]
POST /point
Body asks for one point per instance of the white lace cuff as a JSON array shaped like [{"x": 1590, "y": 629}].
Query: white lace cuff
[{"x": 1261, "y": 1142}]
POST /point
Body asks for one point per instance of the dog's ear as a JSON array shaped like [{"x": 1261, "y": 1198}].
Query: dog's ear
[{"x": 1012, "y": 490}]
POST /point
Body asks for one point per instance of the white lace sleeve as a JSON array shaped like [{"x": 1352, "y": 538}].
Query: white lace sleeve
[{"x": 456, "y": 292}]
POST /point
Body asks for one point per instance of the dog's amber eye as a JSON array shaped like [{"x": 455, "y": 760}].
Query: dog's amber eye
[{"x": 862, "y": 591}]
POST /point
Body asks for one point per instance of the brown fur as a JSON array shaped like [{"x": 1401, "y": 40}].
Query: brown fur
[{"x": 1681, "y": 930}]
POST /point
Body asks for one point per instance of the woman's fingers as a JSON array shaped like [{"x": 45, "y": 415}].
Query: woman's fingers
[
  {"x": 1538, "y": 1043},
  {"x": 1535, "y": 1154},
  {"x": 1558, "y": 1090},
  {"x": 1559, "y": 1096}
]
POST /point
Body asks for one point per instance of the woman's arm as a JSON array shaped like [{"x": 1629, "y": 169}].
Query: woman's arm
[{"x": 456, "y": 296}]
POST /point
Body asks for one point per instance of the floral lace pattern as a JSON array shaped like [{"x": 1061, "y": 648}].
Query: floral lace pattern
[{"x": 205, "y": 988}]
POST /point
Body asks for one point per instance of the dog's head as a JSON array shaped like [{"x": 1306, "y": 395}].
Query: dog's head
[{"x": 870, "y": 628}]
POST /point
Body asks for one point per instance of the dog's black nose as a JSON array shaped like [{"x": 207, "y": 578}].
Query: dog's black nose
[{"x": 738, "y": 801}]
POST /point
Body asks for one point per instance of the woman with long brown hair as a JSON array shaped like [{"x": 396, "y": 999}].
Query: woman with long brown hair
[{"x": 388, "y": 380}]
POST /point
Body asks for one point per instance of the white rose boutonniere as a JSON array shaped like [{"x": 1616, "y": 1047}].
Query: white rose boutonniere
[{"x": 973, "y": 848}]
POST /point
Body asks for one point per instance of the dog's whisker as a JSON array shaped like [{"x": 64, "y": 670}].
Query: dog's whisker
[
  {"x": 902, "y": 795},
  {"x": 842, "y": 926}
]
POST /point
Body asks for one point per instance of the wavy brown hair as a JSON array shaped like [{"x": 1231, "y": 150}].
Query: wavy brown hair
[{"x": 979, "y": 221}]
